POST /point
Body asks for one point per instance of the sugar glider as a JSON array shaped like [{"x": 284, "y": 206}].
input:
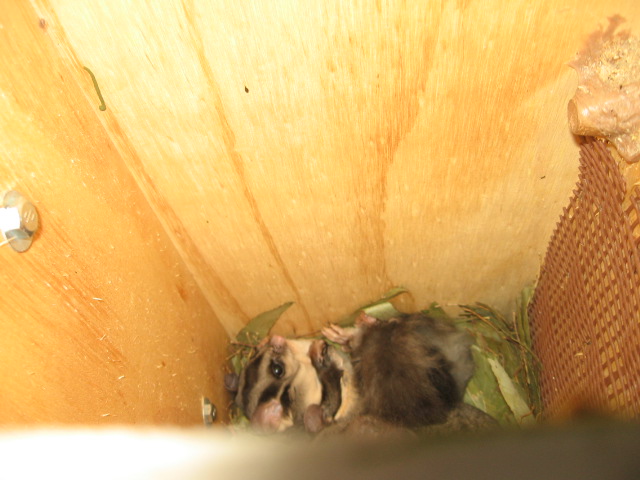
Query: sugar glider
[
  {"x": 409, "y": 371},
  {"x": 277, "y": 385},
  {"x": 339, "y": 397}
]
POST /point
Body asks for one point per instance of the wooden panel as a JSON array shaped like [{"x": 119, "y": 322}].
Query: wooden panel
[
  {"x": 101, "y": 320},
  {"x": 322, "y": 152}
]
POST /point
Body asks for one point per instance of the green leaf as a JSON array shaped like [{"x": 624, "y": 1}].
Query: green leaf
[
  {"x": 483, "y": 392},
  {"x": 522, "y": 318},
  {"x": 390, "y": 295},
  {"x": 512, "y": 395},
  {"x": 238, "y": 362},
  {"x": 382, "y": 311},
  {"x": 381, "y": 308},
  {"x": 436, "y": 311},
  {"x": 259, "y": 327},
  {"x": 530, "y": 361}
]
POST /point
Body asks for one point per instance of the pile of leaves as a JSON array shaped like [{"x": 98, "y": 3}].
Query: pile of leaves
[{"x": 505, "y": 381}]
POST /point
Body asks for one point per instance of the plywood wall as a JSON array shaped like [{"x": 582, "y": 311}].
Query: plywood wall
[
  {"x": 323, "y": 152},
  {"x": 100, "y": 321},
  {"x": 262, "y": 152}
]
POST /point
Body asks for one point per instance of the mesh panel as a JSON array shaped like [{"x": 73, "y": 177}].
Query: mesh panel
[{"x": 585, "y": 314}]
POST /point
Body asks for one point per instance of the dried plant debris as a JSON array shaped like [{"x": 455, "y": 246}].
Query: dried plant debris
[
  {"x": 607, "y": 101},
  {"x": 505, "y": 381}
]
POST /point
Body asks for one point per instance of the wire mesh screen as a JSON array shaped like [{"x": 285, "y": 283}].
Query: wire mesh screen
[{"x": 585, "y": 314}]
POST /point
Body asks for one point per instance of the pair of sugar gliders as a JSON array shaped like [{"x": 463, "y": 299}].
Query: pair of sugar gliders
[{"x": 406, "y": 373}]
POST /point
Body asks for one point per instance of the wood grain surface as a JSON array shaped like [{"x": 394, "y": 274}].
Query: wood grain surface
[
  {"x": 254, "y": 153},
  {"x": 101, "y": 321}
]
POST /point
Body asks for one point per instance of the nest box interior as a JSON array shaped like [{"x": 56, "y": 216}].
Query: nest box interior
[{"x": 197, "y": 163}]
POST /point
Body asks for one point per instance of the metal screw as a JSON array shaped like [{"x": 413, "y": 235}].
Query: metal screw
[
  {"x": 18, "y": 220},
  {"x": 209, "y": 412}
]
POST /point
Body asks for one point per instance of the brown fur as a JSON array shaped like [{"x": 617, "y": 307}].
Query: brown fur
[
  {"x": 330, "y": 376},
  {"x": 411, "y": 371}
]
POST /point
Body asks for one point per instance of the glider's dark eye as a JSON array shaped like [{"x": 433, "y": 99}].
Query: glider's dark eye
[{"x": 277, "y": 370}]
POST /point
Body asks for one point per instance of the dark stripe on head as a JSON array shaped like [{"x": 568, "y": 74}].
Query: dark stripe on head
[
  {"x": 270, "y": 392},
  {"x": 251, "y": 374},
  {"x": 285, "y": 400}
]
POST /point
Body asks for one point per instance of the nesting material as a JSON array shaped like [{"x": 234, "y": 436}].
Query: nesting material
[
  {"x": 607, "y": 101},
  {"x": 504, "y": 384},
  {"x": 585, "y": 314}
]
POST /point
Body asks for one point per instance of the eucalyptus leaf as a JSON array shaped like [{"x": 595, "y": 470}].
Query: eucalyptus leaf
[
  {"x": 259, "y": 326},
  {"x": 381, "y": 306},
  {"x": 382, "y": 311},
  {"x": 483, "y": 392},
  {"x": 522, "y": 318},
  {"x": 477, "y": 327},
  {"x": 390, "y": 295},
  {"x": 237, "y": 362},
  {"x": 507, "y": 345},
  {"x": 436, "y": 311},
  {"x": 531, "y": 362},
  {"x": 511, "y": 394}
]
